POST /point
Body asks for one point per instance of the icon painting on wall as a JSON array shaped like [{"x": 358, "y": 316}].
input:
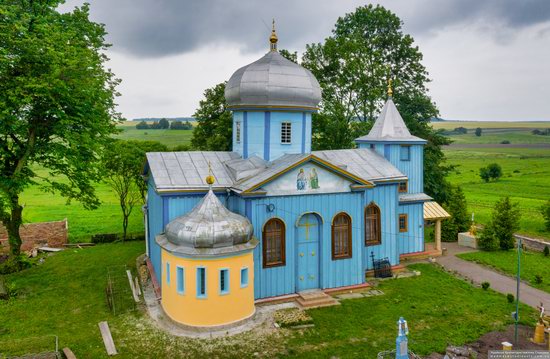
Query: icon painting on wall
[{"x": 307, "y": 181}]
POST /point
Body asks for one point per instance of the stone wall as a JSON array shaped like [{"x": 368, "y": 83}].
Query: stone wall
[
  {"x": 533, "y": 243},
  {"x": 52, "y": 234}
]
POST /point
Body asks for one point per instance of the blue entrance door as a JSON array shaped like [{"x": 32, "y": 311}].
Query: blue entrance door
[{"x": 307, "y": 253}]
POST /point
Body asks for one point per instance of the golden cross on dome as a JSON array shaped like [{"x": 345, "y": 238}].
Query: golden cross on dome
[
  {"x": 390, "y": 91},
  {"x": 210, "y": 179},
  {"x": 273, "y": 38}
]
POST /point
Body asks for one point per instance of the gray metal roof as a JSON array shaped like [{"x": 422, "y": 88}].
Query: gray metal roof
[
  {"x": 209, "y": 225},
  {"x": 363, "y": 163},
  {"x": 414, "y": 197},
  {"x": 390, "y": 127},
  {"x": 273, "y": 81},
  {"x": 188, "y": 170}
]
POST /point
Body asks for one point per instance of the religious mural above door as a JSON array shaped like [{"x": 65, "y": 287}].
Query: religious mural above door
[{"x": 308, "y": 179}]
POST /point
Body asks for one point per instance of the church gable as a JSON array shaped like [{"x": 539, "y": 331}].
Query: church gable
[{"x": 308, "y": 178}]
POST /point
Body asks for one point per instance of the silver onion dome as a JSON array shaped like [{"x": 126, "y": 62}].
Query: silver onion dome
[
  {"x": 273, "y": 82},
  {"x": 209, "y": 225}
]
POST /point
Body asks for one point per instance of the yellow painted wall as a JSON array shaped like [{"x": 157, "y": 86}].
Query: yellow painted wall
[{"x": 215, "y": 309}]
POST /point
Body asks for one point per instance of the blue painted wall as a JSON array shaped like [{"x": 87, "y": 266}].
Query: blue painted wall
[
  {"x": 261, "y": 133},
  {"x": 413, "y": 168},
  {"x": 333, "y": 273},
  {"x": 155, "y": 226},
  {"x": 412, "y": 240},
  {"x": 386, "y": 198}
]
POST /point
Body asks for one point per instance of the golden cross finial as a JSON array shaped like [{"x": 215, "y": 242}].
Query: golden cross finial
[
  {"x": 210, "y": 179},
  {"x": 390, "y": 91},
  {"x": 273, "y": 38}
]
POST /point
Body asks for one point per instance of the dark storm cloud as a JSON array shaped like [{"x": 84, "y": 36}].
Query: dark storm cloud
[{"x": 154, "y": 28}]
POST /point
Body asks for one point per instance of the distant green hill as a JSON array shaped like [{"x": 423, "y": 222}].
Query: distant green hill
[{"x": 152, "y": 119}]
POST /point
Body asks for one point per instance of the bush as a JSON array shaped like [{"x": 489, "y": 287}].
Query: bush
[
  {"x": 492, "y": 171},
  {"x": 184, "y": 147},
  {"x": 178, "y": 125},
  {"x": 510, "y": 298},
  {"x": 461, "y": 130},
  {"x": 485, "y": 285},
  {"x": 546, "y": 251},
  {"x": 142, "y": 126},
  {"x": 500, "y": 230},
  {"x": 487, "y": 240},
  {"x": 478, "y": 131},
  {"x": 538, "y": 279},
  {"x": 545, "y": 211},
  {"x": 114, "y": 237},
  {"x": 14, "y": 264},
  {"x": 505, "y": 142},
  {"x": 460, "y": 220}
]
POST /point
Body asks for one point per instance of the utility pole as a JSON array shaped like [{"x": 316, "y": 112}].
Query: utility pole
[{"x": 518, "y": 279}]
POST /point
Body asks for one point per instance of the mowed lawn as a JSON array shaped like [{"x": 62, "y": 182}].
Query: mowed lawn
[
  {"x": 170, "y": 138},
  {"x": 472, "y": 125},
  {"x": 526, "y": 180},
  {"x": 532, "y": 264},
  {"x": 65, "y": 297}
]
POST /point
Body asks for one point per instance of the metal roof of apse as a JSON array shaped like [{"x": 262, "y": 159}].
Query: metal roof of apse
[
  {"x": 273, "y": 81},
  {"x": 390, "y": 127}
]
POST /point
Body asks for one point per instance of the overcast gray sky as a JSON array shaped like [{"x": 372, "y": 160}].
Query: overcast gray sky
[{"x": 488, "y": 59}]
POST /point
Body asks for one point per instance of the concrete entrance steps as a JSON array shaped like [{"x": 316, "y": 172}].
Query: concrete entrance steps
[{"x": 315, "y": 299}]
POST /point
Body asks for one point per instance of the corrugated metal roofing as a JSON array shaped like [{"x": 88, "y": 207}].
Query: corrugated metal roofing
[
  {"x": 390, "y": 127},
  {"x": 432, "y": 210}
]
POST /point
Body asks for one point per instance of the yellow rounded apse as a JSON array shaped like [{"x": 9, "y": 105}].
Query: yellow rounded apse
[{"x": 206, "y": 292}]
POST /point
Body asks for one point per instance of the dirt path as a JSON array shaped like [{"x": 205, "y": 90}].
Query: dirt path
[{"x": 499, "y": 282}]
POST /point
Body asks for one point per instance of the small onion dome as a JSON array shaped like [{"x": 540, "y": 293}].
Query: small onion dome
[{"x": 209, "y": 225}]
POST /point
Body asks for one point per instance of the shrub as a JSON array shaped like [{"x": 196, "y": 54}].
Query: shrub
[
  {"x": 546, "y": 251},
  {"x": 478, "y": 131},
  {"x": 505, "y": 142},
  {"x": 142, "y": 125},
  {"x": 487, "y": 240},
  {"x": 460, "y": 220},
  {"x": 510, "y": 298},
  {"x": 461, "y": 130},
  {"x": 184, "y": 147},
  {"x": 14, "y": 264},
  {"x": 485, "y": 285},
  {"x": 492, "y": 171},
  {"x": 545, "y": 211},
  {"x": 500, "y": 230},
  {"x": 516, "y": 171},
  {"x": 538, "y": 279}
]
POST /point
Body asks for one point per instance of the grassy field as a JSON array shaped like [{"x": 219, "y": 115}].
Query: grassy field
[
  {"x": 526, "y": 180},
  {"x": 65, "y": 297},
  {"x": 450, "y": 125},
  {"x": 170, "y": 138},
  {"x": 532, "y": 264}
]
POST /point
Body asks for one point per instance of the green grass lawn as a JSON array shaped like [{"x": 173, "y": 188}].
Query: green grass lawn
[
  {"x": 65, "y": 297},
  {"x": 472, "y": 125},
  {"x": 532, "y": 263},
  {"x": 496, "y": 136},
  {"x": 170, "y": 138},
  {"x": 526, "y": 180}
]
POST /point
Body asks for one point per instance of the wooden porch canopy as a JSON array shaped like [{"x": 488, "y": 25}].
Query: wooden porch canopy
[{"x": 433, "y": 211}]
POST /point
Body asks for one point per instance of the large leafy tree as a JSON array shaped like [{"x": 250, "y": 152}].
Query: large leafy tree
[
  {"x": 214, "y": 123},
  {"x": 57, "y": 106},
  {"x": 366, "y": 48}
]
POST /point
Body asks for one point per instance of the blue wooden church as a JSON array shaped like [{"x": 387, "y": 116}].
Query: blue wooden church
[{"x": 318, "y": 216}]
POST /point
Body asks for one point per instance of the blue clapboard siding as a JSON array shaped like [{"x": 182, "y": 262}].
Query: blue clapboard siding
[
  {"x": 385, "y": 197},
  {"x": 334, "y": 273},
  {"x": 154, "y": 220},
  {"x": 412, "y": 240},
  {"x": 413, "y": 168}
]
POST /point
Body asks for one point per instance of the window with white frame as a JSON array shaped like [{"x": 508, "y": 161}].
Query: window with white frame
[
  {"x": 286, "y": 132},
  {"x": 238, "y": 131}
]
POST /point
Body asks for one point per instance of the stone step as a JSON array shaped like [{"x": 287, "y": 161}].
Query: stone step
[{"x": 315, "y": 299}]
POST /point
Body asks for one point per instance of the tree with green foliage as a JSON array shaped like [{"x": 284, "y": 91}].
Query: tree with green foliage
[
  {"x": 460, "y": 220},
  {"x": 499, "y": 233},
  {"x": 123, "y": 168},
  {"x": 478, "y": 131},
  {"x": 491, "y": 172},
  {"x": 366, "y": 48},
  {"x": 57, "y": 107},
  {"x": 214, "y": 130},
  {"x": 545, "y": 211},
  {"x": 292, "y": 56},
  {"x": 164, "y": 124},
  {"x": 142, "y": 125}
]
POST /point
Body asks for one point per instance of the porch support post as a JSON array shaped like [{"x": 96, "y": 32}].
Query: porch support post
[{"x": 438, "y": 234}]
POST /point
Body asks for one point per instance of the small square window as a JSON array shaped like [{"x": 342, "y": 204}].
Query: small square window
[
  {"x": 224, "y": 281},
  {"x": 238, "y": 131},
  {"x": 403, "y": 223},
  {"x": 168, "y": 273},
  {"x": 405, "y": 153},
  {"x": 286, "y": 132},
  {"x": 180, "y": 274},
  {"x": 244, "y": 277},
  {"x": 403, "y": 187},
  {"x": 201, "y": 282}
]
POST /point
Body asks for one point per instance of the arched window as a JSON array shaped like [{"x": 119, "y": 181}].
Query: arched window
[
  {"x": 341, "y": 236},
  {"x": 273, "y": 237},
  {"x": 372, "y": 225}
]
